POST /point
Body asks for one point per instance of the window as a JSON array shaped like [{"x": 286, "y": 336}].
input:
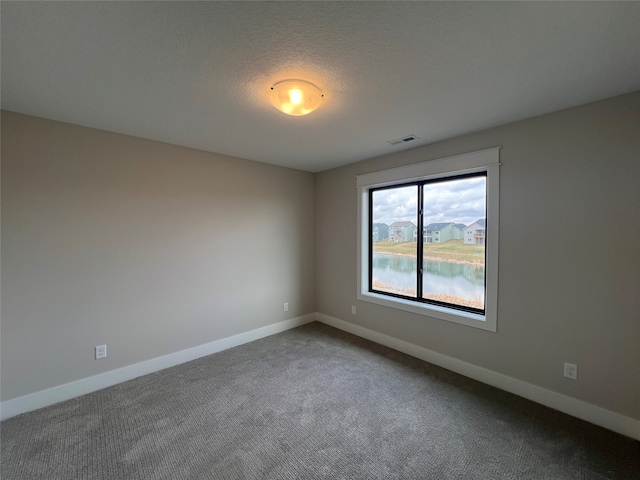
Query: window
[{"x": 447, "y": 277}]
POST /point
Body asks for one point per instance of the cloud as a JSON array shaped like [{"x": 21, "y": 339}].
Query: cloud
[
  {"x": 458, "y": 201},
  {"x": 394, "y": 204}
]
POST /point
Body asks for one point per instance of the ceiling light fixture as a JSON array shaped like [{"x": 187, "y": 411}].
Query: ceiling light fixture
[{"x": 296, "y": 97}]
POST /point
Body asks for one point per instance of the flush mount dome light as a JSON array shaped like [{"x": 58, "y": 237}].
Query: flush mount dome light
[{"x": 295, "y": 97}]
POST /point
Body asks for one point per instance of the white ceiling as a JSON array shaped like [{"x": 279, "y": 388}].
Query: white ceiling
[{"x": 197, "y": 73}]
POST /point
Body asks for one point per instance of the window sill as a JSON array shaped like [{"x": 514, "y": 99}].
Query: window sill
[{"x": 483, "y": 322}]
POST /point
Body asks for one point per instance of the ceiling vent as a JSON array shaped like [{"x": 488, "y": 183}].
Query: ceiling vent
[{"x": 398, "y": 141}]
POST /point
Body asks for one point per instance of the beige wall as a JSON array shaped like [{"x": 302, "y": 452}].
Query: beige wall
[
  {"x": 569, "y": 262},
  {"x": 153, "y": 248},
  {"x": 146, "y": 247}
]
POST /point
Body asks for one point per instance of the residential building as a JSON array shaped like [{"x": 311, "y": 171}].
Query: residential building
[
  {"x": 440, "y": 232},
  {"x": 379, "y": 232},
  {"x": 402, "y": 231},
  {"x": 475, "y": 233},
  {"x": 458, "y": 231}
]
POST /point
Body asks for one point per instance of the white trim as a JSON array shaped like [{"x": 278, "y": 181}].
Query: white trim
[
  {"x": 479, "y": 161},
  {"x": 571, "y": 406},
  {"x": 465, "y": 162},
  {"x": 591, "y": 413},
  {"x": 50, "y": 396}
]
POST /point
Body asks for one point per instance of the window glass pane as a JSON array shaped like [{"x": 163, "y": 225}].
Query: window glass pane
[
  {"x": 454, "y": 241},
  {"x": 394, "y": 229}
]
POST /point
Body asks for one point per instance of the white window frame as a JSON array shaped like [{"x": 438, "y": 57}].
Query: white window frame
[{"x": 480, "y": 161}]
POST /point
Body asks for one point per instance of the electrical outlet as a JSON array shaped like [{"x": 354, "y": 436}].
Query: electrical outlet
[
  {"x": 101, "y": 351},
  {"x": 353, "y": 309},
  {"x": 571, "y": 371},
  {"x": 286, "y": 307}
]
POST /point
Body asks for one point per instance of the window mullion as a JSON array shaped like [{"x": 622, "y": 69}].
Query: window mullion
[{"x": 419, "y": 243}]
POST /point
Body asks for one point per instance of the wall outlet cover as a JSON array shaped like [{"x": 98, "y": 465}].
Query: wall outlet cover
[
  {"x": 101, "y": 351},
  {"x": 571, "y": 371}
]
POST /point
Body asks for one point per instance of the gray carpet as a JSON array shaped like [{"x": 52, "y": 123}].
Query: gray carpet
[{"x": 312, "y": 402}]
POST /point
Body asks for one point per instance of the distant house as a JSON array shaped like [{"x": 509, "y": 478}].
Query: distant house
[
  {"x": 424, "y": 235},
  {"x": 379, "y": 232},
  {"x": 402, "y": 231},
  {"x": 440, "y": 232},
  {"x": 458, "y": 231},
  {"x": 474, "y": 234}
]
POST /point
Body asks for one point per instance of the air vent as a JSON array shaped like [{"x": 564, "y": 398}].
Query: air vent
[{"x": 398, "y": 141}]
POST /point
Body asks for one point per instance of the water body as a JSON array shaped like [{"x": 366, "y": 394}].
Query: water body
[{"x": 460, "y": 280}]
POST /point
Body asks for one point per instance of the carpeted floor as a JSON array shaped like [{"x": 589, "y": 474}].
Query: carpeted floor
[{"x": 313, "y": 402}]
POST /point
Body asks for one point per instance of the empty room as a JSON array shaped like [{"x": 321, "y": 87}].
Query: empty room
[{"x": 297, "y": 240}]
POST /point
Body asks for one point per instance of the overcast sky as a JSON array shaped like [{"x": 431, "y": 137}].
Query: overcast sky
[{"x": 458, "y": 201}]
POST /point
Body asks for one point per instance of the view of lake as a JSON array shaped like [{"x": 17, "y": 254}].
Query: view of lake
[{"x": 463, "y": 281}]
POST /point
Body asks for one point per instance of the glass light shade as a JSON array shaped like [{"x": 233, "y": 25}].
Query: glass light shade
[{"x": 295, "y": 97}]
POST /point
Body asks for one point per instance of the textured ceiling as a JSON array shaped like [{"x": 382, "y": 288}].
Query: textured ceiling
[{"x": 197, "y": 73}]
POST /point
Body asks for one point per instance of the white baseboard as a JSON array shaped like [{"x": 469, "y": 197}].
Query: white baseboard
[
  {"x": 571, "y": 406},
  {"x": 44, "y": 398},
  {"x": 577, "y": 408}
]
